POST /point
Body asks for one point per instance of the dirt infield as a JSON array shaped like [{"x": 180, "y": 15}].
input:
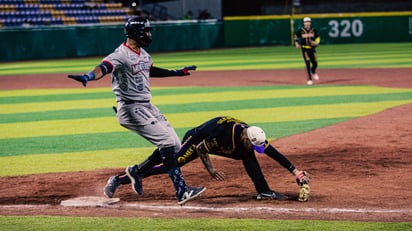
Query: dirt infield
[{"x": 360, "y": 168}]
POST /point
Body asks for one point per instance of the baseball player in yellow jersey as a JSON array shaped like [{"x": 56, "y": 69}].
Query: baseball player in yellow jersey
[
  {"x": 307, "y": 38},
  {"x": 222, "y": 136}
]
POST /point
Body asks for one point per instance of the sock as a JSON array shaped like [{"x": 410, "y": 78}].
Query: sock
[{"x": 178, "y": 181}]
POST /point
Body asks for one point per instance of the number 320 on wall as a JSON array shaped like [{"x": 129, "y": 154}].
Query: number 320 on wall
[{"x": 345, "y": 28}]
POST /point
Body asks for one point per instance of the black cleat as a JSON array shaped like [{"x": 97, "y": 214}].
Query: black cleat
[
  {"x": 111, "y": 186},
  {"x": 136, "y": 179}
]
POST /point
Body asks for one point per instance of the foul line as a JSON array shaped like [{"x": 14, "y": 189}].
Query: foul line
[
  {"x": 269, "y": 209},
  {"x": 230, "y": 209}
]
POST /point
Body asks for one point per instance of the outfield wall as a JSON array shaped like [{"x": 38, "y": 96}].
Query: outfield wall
[
  {"x": 98, "y": 40},
  {"x": 333, "y": 28}
]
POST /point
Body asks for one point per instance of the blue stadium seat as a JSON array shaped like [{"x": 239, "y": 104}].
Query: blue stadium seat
[
  {"x": 13, "y": 22},
  {"x": 52, "y": 12},
  {"x": 56, "y": 21}
]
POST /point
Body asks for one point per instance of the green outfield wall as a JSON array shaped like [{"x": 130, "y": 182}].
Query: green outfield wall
[
  {"x": 362, "y": 28},
  {"x": 333, "y": 28},
  {"x": 98, "y": 40}
]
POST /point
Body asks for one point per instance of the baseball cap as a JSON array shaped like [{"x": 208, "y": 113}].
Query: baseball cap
[
  {"x": 257, "y": 137},
  {"x": 307, "y": 19}
]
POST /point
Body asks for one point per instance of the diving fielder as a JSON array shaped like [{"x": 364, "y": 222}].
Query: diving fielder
[{"x": 223, "y": 136}]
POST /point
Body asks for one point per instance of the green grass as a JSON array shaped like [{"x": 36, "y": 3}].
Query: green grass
[
  {"x": 62, "y": 130},
  {"x": 77, "y": 130},
  {"x": 272, "y": 57},
  {"x": 89, "y": 223}
]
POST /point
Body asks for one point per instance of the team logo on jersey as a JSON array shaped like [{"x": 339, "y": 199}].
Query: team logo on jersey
[
  {"x": 228, "y": 119},
  {"x": 140, "y": 66},
  {"x": 187, "y": 154}
]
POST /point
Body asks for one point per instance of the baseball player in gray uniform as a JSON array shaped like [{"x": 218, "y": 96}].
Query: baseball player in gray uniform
[{"x": 131, "y": 66}]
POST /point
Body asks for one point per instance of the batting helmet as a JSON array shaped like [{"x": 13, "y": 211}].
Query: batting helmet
[{"x": 136, "y": 28}]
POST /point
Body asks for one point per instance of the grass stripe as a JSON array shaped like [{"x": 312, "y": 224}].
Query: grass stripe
[
  {"x": 73, "y": 161},
  {"x": 50, "y": 92},
  {"x": 231, "y": 95},
  {"x": 51, "y": 106},
  {"x": 202, "y": 107},
  {"x": 56, "y": 115},
  {"x": 178, "y": 120},
  {"x": 92, "y": 146},
  {"x": 204, "y": 224},
  {"x": 294, "y": 62},
  {"x": 269, "y": 57},
  {"x": 26, "y": 94},
  {"x": 56, "y": 98},
  {"x": 290, "y": 113}
]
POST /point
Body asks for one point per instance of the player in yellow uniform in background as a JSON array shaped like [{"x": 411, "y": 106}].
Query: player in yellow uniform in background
[{"x": 307, "y": 38}]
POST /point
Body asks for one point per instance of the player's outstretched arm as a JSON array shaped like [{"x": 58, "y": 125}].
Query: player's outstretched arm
[
  {"x": 97, "y": 73},
  {"x": 161, "y": 72},
  {"x": 204, "y": 156},
  {"x": 279, "y": 157},
  {"x": 302, "y": 177}
]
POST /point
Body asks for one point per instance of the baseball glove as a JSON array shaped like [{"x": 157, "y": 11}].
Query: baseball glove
[
  {"x": 304, "y": 193},
  {"x": 304, "y": 189}
]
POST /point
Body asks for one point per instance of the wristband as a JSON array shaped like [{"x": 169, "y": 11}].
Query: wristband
[
  {"x": 300, "y": 176},
  {"x": 90, "y": 75}
]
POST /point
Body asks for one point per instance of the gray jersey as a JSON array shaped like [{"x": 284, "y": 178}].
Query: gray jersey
[
  {"x": 131, "y": 72},
  {"x": 131, "y": 85}
]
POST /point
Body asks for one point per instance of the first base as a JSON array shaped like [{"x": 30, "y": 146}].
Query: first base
[{"x": 90, "y": 201}]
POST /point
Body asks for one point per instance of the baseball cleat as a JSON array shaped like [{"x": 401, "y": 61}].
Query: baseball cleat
[
  {"x": 309, "y": 82},
  {"x": 136, "y": 179},
  {"x": 315, "y": 76},
  {"x": 191, "y": 193},
  {"x": 111, "y": 186},
  {"x": 271, "y": 195}
]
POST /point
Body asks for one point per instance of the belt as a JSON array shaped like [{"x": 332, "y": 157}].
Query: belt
[
  {"x": 306, "y": 47},
  {"x": 135, "y": 101}
]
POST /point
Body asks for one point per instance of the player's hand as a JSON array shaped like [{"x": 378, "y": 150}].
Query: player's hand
[
  {"x": 185, "y": 70},
  {"x": 302, "y": 178},
  {"x": 297, "y": 45},
  {"x": 81, "y": 78},
  {"x": 314, "y": 43},
  {"x": 218, "y": 175}
]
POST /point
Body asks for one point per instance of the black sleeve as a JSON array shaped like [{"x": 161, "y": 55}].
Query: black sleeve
[
  {"x": 279, "y": 157},
  {"x": 255, "y": 173},
  {"x": 160, "y": 72}
]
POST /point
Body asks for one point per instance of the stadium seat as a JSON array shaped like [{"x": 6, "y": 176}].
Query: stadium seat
[{"x": 57, "y": 12}]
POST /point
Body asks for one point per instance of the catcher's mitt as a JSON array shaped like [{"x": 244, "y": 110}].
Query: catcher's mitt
[{"x": 304, "y": 189}]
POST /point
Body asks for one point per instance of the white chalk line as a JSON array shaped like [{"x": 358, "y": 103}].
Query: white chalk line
[
  {"x": 232, "y": 209},
  {"x": 269, "y": 209}
]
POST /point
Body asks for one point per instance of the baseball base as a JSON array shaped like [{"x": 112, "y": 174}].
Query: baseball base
[{"x": 91, "y": 201}]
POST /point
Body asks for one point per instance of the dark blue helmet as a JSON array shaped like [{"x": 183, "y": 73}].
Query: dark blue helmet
[{"x": 136, "y": 28}]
